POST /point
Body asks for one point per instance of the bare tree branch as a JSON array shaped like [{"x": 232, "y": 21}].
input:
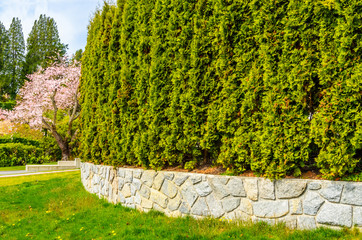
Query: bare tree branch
[
  {"x": 46, "y": 124},
  {"x": 52, "y": 97},
  {"x": 74, "y": 135}
]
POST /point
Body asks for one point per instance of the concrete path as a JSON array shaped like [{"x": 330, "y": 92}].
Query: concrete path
[
  {"x": 25, "y": 173},
  {"x": 12, "y": 172}
]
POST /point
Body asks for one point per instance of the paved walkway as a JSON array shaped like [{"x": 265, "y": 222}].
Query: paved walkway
[
  {"x": 12, "y": 172},
  {"x": 4, "y": 174}
]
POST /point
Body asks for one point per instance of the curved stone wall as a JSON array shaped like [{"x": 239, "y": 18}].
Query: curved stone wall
[{"x": 302, "y": 204}]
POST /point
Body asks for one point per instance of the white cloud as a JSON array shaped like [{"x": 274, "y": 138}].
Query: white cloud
[{"x": 71, "y": 16}]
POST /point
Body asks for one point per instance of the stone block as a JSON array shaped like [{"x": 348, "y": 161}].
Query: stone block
[
  {"x": 158, "y": 198},
  {"x": 146, "y": 204},
  {"x": 137, "y": 173},
  {"x": 203, "y": 189},
  {"x": 137, "y": 183},
  {"x": 112, "y": 174},
  {"x": 174, "y": 204},
  {"x": 196, "y": 178},
  {"x": 200, "y": 208},
  {"x": 246, "y": 206},
  {"x": 128, "y": 176},
  {"x": 104, "y": 191},
  {"x": 121, "y": 173},
  {"x": 133, "y": 190},
  {"x": 184, "y": 208},
  {"x": 126, "y": 190},
  {"x": 230, "y": 203},
  {"x": 96, "y": 179},
  {"x": 219, "y": 189},
  {"x": 158, "y": 208},
  {"x": 95, "y": 188},
  {"x": 236, "y": 186},
  {"x": 352, "y": 194},
  {"x": 223, "y": 179},
  {"x": 332, "y": 191},
  {"x": 107, "y": 169},
  {"x": 215, "y": 206},
  {"x": 110, "y": 191},
  {"x": 357, "y": 216},
  {"x": 271, "y": 209},
  {"x": 137, "y": 199},
  {"x": 335, "y": 215},
  {"x": 296, "y": 206},
  {"x": 95, "y": 169},
  {"x": 145, "y": 191},
  {"x": 314, "y": 185},
  {"x": 169, "y": 176},
  {"x": 306, "y": 223},
  {"x": 312, "y": 203},
  {"x": 189, "y": 194},
  {"x": 121, "y": 198},
  {"x": 289, "y": 188},
  {"x": 251, "y": 188},
  {"x": 180, "y": 178},
  {"x": 147, "y": 177},
  {"x": 169, "y": 189},
  {"x": 157, "y": 183},
  {"x": 266, "y": 189}
]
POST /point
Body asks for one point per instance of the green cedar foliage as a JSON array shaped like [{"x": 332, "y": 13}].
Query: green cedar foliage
[
  {"x": 336, "y": 126},
  {"x": 89, "y": 91},
  {"x": 269, "y": 86}
]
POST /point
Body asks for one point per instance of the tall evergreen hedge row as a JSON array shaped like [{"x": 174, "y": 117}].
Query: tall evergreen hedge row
[{"x": 270, "y": 86}]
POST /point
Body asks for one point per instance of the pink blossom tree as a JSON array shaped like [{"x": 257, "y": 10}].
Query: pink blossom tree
[{"x": 49, "y": 93}]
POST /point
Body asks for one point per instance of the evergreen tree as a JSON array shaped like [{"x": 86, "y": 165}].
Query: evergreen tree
[
  {"x": 43, "y": 45},
  {"x": 272, "y": 87},
  {"x": 4, "y": 49},
  {"x": 16, "y": 57},
  {"x": 77, "y": 56}
]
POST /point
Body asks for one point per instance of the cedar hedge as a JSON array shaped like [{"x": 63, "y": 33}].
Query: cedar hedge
[
  {"x": 18, "y": 154},
  {"x": 13, "y": 139},
  {"x": 271, "y": 86}
]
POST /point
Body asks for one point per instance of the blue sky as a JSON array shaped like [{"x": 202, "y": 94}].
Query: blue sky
[{"x": 71, "y": 16}]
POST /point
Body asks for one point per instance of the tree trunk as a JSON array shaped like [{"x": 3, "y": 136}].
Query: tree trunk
[
  {"x": 63, "y": 145},
  {"x": 65, "y": 154}
]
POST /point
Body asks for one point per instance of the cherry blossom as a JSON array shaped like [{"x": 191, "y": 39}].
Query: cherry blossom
[{"x": 48, "y": 91}]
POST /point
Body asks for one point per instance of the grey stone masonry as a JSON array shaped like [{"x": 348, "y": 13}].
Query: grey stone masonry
[{"x": 299, "y": 203}]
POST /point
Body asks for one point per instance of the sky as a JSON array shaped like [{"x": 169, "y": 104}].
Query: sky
[{"x": 72, "y": 17}]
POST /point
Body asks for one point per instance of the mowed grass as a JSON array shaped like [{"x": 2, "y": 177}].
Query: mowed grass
[
  {"x": 14, "y": 168},
  {"x": 56, "y": 206}
]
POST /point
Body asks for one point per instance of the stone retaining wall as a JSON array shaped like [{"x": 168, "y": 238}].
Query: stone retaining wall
[{"x": 302, "y": 204}]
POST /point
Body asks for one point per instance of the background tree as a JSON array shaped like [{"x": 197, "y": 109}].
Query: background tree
[
  {"x": 43, "y": 45},
  {"x": 77, "y": 57},
  {"x": 16, "y": 57},
  {"x": 49, "y": 99},
  {"x": 4, "y": 49}
]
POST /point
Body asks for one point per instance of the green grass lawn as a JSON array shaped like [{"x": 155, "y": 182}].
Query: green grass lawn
[
  {"x": 18, "y": 168},
  {"x": 14, "y": 168},
  {"x": 56, "y": 206}
]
